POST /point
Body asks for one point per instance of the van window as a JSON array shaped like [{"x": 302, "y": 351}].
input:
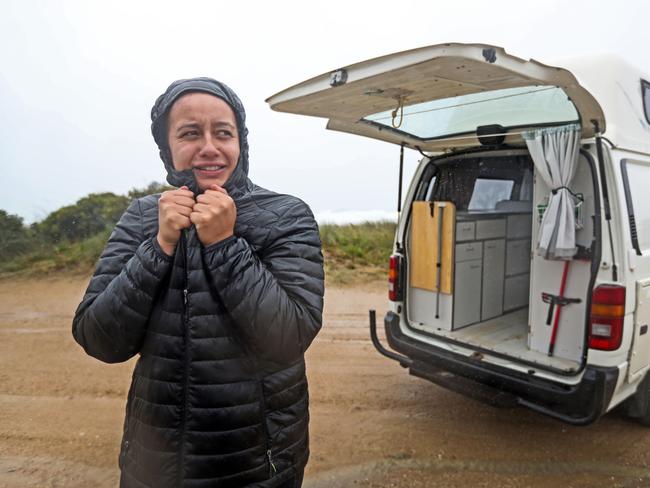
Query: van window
[
  {"x": 479, "y": 183},
  {"x": 637, "y": 182},
  {"x": 487, "y": 193},
  {"x": 509, "y": 107},
  {"x": 645, "y": 89}
]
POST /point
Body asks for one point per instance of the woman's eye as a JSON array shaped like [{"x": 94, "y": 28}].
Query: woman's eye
[
  {"x": 224, "y": 133},
  {"x": 189, "y": 134}
]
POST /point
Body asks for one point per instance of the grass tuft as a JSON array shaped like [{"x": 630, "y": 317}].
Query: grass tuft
[
  {"x": 357, "y": 253},
  {"x": 62, "y": 258}
]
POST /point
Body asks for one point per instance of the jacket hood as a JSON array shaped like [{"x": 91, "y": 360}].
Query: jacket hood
[{"x": 238, "y": 183}]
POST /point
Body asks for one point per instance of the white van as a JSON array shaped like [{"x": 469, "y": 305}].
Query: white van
[{"x": 521, "y": 264}]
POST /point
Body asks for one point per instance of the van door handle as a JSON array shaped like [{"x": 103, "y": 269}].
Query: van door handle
[{"x": 643, "y": 329}]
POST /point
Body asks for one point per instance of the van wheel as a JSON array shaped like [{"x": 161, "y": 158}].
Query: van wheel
[{"x": 638, "y": 406}]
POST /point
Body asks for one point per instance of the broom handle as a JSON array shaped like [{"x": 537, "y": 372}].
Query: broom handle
[{"x": 565, "y": 272}]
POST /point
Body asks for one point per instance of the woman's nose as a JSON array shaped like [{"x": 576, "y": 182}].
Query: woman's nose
[{"x": 209, "y": 147}]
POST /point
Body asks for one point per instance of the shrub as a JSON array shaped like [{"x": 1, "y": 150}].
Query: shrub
[
  {"x": 14, "y": 238},
  {"x": 89, "y": 216}
]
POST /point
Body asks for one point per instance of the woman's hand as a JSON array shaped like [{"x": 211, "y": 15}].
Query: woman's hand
[
  {"x": 174, "y": 209},
  {"x": 214, "y": 215}
]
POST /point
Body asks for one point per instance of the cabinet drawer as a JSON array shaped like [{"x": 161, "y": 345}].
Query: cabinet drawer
[
  {"x": 465, "y": 231},
  {"x": 490, "y": 229},
  {"x": 519, "y": 226},
  {"x": 469, "y": 251}
]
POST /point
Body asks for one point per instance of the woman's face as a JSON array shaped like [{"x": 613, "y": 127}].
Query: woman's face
[{"x": 203, "y": 137}]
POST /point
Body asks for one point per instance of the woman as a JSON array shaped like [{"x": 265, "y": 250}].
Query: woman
[{"x": 218, "y": 286}]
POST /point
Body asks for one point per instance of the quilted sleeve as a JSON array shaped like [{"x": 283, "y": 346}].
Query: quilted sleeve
[
  {"x": 112, "y": 317},
  {"x": 276, "y": 298}
]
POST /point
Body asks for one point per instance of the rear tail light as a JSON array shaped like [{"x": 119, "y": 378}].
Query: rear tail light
[
  {"x": 606, "y": 319},
  {"x": 394, "y": 282}
]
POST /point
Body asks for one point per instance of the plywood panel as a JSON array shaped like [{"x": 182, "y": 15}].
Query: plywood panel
[{"x": 424, "y": 245}]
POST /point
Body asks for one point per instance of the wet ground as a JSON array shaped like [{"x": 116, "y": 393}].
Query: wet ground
[{"x": 373, "y": 425}]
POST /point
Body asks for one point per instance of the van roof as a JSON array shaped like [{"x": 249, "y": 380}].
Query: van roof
[{"x": 618, "y": 87}]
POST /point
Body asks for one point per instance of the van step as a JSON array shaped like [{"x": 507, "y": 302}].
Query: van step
[{"x": 464, "y": 386}]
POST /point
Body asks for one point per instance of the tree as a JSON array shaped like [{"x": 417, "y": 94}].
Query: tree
[
  {"x": 153, "y": 187},
  {"x": 90, "y": 215},
  {"x": 14, "y": 238}
]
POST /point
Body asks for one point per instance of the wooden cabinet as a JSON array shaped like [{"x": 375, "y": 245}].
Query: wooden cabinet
[
  {"x": 492, "y": 267},
  {"x": 490, "y": 263}
]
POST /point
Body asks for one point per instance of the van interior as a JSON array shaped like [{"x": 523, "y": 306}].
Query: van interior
[{"x": 474, "y": 277}]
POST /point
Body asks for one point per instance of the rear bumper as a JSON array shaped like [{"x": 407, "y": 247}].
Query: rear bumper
[{"x": 579, "y": 404}]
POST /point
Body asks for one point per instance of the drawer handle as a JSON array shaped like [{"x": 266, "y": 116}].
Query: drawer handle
[{"x": 474, "y": 266}]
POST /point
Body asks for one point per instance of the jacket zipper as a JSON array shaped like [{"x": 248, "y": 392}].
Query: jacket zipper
[
  {"x": 186, "y": 365},
  {"x": 269, "y": 454},
  {"x": 272, "y": 469}
]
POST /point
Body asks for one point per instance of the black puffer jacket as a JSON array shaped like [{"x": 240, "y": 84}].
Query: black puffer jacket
[{"x": 219, "y": 392}]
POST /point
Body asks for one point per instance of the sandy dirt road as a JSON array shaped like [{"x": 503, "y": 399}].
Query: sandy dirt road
[{"x": 373, "y": 425}]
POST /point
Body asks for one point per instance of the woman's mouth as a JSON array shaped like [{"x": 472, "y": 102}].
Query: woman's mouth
[{"x": 209, "y": 170}]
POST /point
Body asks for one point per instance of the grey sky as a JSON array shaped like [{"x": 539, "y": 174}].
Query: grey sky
[{"x": 78, "y": 78}]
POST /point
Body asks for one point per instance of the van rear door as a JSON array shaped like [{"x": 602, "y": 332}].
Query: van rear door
[{"x": 435, "y": 97}]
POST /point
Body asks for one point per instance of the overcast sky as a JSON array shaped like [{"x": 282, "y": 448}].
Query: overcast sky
[{"x": 78, "y": 78}]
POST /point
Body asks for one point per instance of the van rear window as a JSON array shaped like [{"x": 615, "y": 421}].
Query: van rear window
[
  {"x": 480, "y": 183},
  {"x": 509, "y": 107}
]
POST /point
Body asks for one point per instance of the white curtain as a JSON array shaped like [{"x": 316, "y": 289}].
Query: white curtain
[{"x": 555, "y": 154}]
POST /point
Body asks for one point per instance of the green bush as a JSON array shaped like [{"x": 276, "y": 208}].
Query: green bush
[
  {"x": 71, "y": 239},
  {"x": 357, "y": 253},
  {"x": 370, "y": 243},
  {"x": 15, "y": 238},
  {"x": 150, "y": 189},
  {"x": 89, "y": 216},
  {"x": 67, "y": 257},
  {"x": 68, "y": 239}
]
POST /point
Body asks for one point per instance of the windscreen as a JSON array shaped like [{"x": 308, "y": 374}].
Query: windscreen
[{"x": 510, "y": 107}]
